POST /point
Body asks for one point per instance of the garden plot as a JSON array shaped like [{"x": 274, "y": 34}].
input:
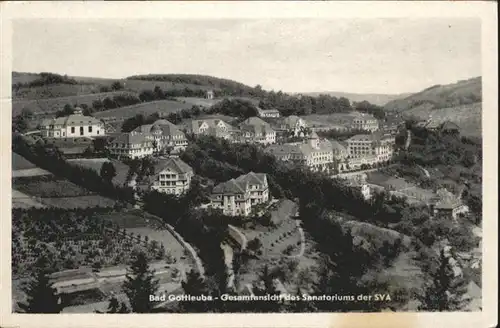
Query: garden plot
[{"x": 57, "y": 192}]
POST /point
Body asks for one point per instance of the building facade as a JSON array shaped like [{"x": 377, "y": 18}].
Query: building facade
[
  {"x": 172, "y": 176},
  {"x": 314, "y": 153},
  {"x": 237, "y": 196},
  {"x": 73, "y": 126},
  {"x": 166, "y": 135},
  {"x": 446, "y": 204},
  {"x": 269, "y": 113},
  {"x": 212, "y": 127},
  {"x": 368, "y": 146},
  {"x": 132, "y": 145},
  {"x": 365, "y": 122},
  {"x": 255, "y": 130}
]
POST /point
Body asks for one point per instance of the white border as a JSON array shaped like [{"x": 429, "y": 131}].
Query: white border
[{"x": 257, "y": 9}]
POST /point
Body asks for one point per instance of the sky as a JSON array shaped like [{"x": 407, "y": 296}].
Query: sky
[{"x": 387, "y": 56}]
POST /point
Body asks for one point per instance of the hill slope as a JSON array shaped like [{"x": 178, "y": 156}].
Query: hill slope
[
  {"x": 373, "y": 98},
  {"x": 441, "y": 96},
  {"x": 459, "y": 102}
]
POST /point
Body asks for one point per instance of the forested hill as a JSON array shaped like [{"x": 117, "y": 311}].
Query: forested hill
[
  {"x": 202, "y": 80},
  {"x": 441, "y": 96},
  {"x": 373, "y": 98}
]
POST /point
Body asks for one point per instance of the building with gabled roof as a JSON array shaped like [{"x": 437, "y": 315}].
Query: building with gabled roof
[
  {"x": 132, "y": 145},
  {"x": 171, "y": 176},
  {"x": 376, "y": 144},
  {"x": 446, "y": 204},
  {"x": 268, "y": 113},
  {"x": 314, "y": 153},
  {"x": 166, "y": 134},
  {"x": 73, "y": 126},
  {"x": 256, "y": 130},
  {"x": 212, "y": 127},
  {"x": 237, "y": 196},
  {"x": 291, "y": 124}
]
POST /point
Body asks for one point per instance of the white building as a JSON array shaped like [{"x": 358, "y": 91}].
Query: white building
[
  {"x": 380, "y": 146},
  {"x": 314, "y": 153},
  {"x": 132, "y": 145},
  {"x": 365, "y": 122},
  {"x": 237, "y": 196},
  {"x": 255, "y": 130},
  {"x": 212, "y": 127},
  {"x": 209, "y": 94},
  {"x": 73, "y": 126},
  {"x": 273, "y": 113},
  {"x": 172, "y": 176},
  {"x": 166, "y": 134}
]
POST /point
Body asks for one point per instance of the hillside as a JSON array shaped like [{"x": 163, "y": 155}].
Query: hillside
[
  {"x": 374, "y": 98},
  {"x": 463, "y": 92},
  {"x": 467, "y": 117},
  {"x": 212, "y": 82}
]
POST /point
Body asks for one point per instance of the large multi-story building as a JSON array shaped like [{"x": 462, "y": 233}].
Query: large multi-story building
[
  {"x": 171, "y": 176},
  {"x": 73, "y": 126},
  {"x": 213, "y": 127},
  {"x": 269, "y": 113},
  {"x": 368, "y": 145},
  {"x": 132, "y": 145},
  {"x": 365, "y": 122},
  {"x": 255, "y": 130},
  {"x": 166, "y": 135},
  {"x": 237, "y": 196},
  {"x": 314, "y": 153}
]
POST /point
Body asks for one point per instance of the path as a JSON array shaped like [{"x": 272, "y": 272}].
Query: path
[
  {"x": 408, "y": 139},
  {"x": 228, "y": 260},
  {"x": 29, "y": 172},
  {"x": 190, "y": 249},
  {"x": 244, "y": 239},
  {"x": 302, "y": 241}
]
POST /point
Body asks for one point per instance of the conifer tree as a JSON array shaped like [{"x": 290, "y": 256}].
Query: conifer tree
[
  {"x": 41, "y": 296},
  {"x": 445, "y": 292},
  {"x": 139, "y": 284},
  {"x": 194, "y": 286}
]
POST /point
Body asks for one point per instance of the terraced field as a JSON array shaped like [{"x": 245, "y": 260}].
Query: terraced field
[
  {"x": 52, "y": 105},
  {"x": 161, "y": 106}
]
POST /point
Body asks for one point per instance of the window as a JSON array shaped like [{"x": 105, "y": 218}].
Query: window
[
  {"x": 72, "y": 129},
  {"x": 81, "y": 130},
  {"x": 90, "y": 129}
]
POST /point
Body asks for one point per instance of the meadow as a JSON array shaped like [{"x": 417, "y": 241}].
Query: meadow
[
  {"x": 162, "y": 106},
  {"x": 52, "y": 105}
]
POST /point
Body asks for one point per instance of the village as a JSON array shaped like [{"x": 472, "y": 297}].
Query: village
[{"x": 149, "y": 158}]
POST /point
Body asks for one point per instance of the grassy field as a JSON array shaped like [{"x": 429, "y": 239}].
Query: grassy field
[
  {"x": 162, "y": 106},
  {"x": 198, "y": 101},
  {"x": 49, "y": 190},
  {"x": 52, "y": 105},
  {"x": 331, "y": 120},
  {"x": 21, "y": 163},
  {"x": 54, "y": 91},
  {"x": 96, "y": 164}
]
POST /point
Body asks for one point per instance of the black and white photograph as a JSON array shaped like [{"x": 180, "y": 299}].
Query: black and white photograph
[{"x": 247, "y": 165}]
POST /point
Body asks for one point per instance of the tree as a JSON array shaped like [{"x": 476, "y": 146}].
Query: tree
[
  {"x": 116, "y": 86},
  {"x": 114, "y": 305},
  {"x": 108, "y": 171},
  {"x": 194, "y": 286},
  {"x": 139, "y": 284},
  {"x": 41, "y": 296},
  {"x": 445, "y": 292}
]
